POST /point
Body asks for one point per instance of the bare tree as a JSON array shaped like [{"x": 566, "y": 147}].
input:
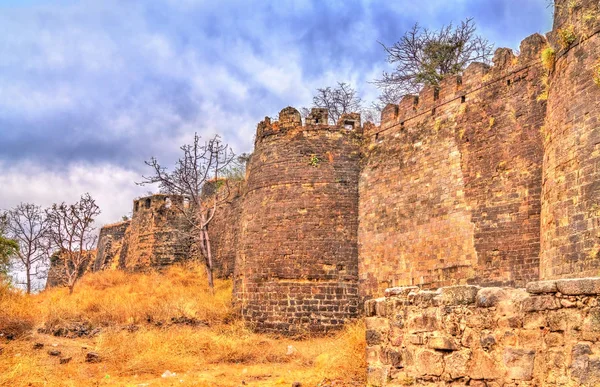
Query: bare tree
[
  {"x": 70, "y": 228},
  {"x": 26, "y": 224},
  {"x": 202, "y": 164},
  {"x": 425, "y": 57},
  {"x": 338, "y": 100}
]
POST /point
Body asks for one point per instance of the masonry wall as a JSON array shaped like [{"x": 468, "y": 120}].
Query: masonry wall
[
  {"x": 110, "y": 246},
  {"x": 546, "y": 335},
  {"x": 571, "y": 185},
  {"x": 224, "y": 231},
  {"x": 297, "y": 265},
  {"x": 450, "y": 187},
  {"x": 155, "y": 238}
]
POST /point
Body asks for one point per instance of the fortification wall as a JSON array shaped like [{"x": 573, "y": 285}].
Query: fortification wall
[
  {"x": 110, "y": 246},
  {"x": 297, "y": 264},
  {"x": 450, "y": 188},
  {"x": 571, "y": 181},
  {"x": 156, "y": 236},
  {"x": 224, "y": 231},
  {"x": 547, "y": 335}
]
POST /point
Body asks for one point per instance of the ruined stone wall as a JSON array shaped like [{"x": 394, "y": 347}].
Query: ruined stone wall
[
  {"x": 155, "y": 238},
  {"x": 297, "y": 264},
  {"x": 450, "y": 188},
  {"x": 571, "y": 180},
  {"x": 224, "y": 231},
  {"x": 547, "y": 335},
  {"x": 110, "y": 246}
]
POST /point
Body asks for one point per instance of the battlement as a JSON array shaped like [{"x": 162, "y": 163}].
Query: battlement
[
  {"x": 456, "y": 90},
  {"x": 290, "y": 121},
  {"x": 157, "y": 202}
]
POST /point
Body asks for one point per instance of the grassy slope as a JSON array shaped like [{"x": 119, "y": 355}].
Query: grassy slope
[{"x": 138, "y": 340}]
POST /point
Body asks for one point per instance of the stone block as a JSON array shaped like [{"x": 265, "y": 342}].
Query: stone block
[
  {"x": 457, "y": 295},
  {"x": 400, "y": 291},
  {"x": 539, "y": 303},
  {"x": 483, "y": 367},
  {"x": 377, "y": 323},
  {"x": 429, "y": 363},
  {"x": 374, "y": 337},
  {"x": 373, "y": 354},
  {"x": 457, "y": 364},
  {"x": 426, "y": 321},
  {"x": 519, "y": 363},
  {"x": 377, "y": 376},
  {"x": 370, "y": 308},
  {"x": 424, "y": 297},
  {"x": 539, "y": 287},
  {"x": 579, "y": 286},
  {"x": 557, "y": 321},
  {"x": 442, "y": 343},
  {"x": 489, "y": 297}
]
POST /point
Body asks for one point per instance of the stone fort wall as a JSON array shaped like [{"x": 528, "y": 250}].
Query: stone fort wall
[
  {"x": 545, "y": 335},
  {"x": 493, "y": 180},
  {"x": 297, "y": 261},
  {"x": 570, "y": 238},
  {"x": 450, "y": 188}
]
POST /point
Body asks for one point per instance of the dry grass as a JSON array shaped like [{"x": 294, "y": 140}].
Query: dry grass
[{"x": 131, "y": 318}]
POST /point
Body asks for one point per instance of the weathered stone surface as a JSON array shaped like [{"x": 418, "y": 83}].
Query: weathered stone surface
[
  {"x": 538, "y": 303},
  {"x": 458, "y": 295},
  {"x": 377, "y": 375},
  {"x": 442, "y": 343},
  {"x": 538, "y": 287},
  {"x": 475, "y": 343},
  {"x": 457, "y": 364},
  {"x": 489, "y": 297},
  {"x": 399, "y": 291},
  {"x": 429, "y": 363},
  {"x": 579, "y": 286},
  {"x": 519, "y": 363}
]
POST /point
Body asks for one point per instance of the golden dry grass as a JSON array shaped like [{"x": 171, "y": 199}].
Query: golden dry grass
[{"x": 131, "y": 316}]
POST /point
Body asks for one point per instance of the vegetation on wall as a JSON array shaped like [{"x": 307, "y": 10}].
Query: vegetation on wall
[{"x": 424, "y": 57}]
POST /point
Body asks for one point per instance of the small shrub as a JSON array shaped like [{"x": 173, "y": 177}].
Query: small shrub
[
  {"x": 596, "y": 75},
  {"x": 314, "y": 161},
  {"x": 548, "y": 58},
  {"x": 567, "y": 36}
]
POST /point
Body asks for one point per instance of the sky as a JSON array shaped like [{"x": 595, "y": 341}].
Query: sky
[{"x": 91, "y": 89}]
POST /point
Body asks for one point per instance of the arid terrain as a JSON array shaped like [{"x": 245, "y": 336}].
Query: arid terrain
[{"x": 159, "y": 329}]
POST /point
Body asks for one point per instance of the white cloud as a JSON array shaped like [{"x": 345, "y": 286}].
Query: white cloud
[{"x": 112, "y": 186}]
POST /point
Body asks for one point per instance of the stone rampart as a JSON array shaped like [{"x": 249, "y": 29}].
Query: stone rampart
[
  {"x": 545, "y": 335},
  {"x": 450, "y": 188},
  {"x": 570, "y": 235},
  {"x": 157, "y": 235},
  {"x": 110, "y": 246},
  {"x": 297, "y": 264}
]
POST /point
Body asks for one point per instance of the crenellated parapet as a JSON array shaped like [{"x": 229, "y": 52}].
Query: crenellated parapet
[
  {"x": 454, "y": 90},
  {"x": 290, "y": 123}
]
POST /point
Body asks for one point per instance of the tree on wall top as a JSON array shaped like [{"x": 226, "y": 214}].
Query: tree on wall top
[{"x": 424, "y": 57}]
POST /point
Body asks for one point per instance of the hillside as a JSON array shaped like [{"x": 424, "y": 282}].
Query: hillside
[{"x": 142, "y": 325}]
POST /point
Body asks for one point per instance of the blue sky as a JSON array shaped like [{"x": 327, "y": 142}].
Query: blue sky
[{"x": 91, "y": 89}]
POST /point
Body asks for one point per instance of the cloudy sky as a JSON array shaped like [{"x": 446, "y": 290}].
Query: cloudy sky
[{"x": 91, "y": 89}]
